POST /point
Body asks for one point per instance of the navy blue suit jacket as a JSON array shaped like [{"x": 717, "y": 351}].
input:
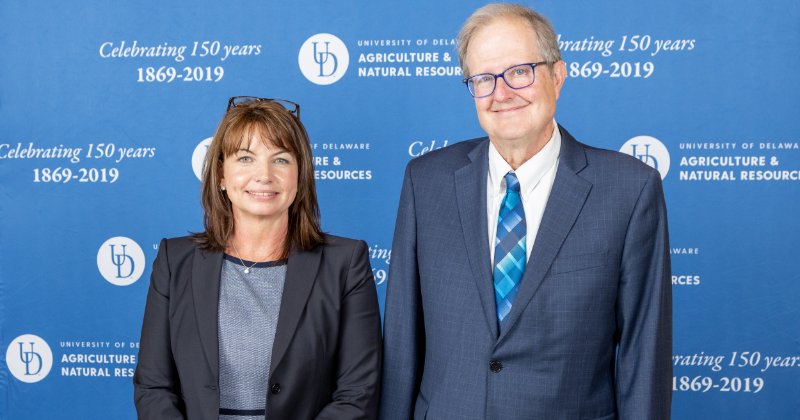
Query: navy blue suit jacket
[{"x": 589, "y": 334}]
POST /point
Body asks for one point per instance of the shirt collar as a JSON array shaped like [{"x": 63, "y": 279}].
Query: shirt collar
[{"x": 530, "y": 172}]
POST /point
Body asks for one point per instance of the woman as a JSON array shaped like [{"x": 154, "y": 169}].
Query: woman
[{"x": 260, "y": 314}]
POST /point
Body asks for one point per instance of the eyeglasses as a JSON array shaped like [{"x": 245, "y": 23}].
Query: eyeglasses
[
  {"x": 516, "y": 77},
  {"x": 290, "y": 106}
]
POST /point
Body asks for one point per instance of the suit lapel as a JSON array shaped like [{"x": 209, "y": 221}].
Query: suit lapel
[
  {"x": 470, "y": 182},
  {"x": 301, "y": 274},
  {"x": 566, "y": 199},
  {"x": 206, "y": 271}
]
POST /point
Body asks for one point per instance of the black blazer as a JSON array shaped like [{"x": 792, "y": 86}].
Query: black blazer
[{"x": 326, "y": 359}]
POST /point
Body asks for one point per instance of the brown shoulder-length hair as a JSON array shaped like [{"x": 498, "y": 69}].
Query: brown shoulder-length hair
[{"x": 276, "y": 125}]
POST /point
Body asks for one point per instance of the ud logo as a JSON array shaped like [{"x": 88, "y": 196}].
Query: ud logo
[
  {"x": 323, "y": 59},
  {"x": 120, "y": 261},
  {"x": 650, "y": 151},
  {"x": 29, "y": 358},
  {"x": 199, "y": 158}
]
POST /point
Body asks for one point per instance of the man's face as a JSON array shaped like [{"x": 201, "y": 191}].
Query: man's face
[{"x": 524, "y": 116}]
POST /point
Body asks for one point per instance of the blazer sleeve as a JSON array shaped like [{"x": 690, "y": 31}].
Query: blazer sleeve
[
  {"x": 358, "y": 358},
  {"x": 156, "y": 387},
  {"x": 403, "y": 330},
  {"x": 644, "y": 311}
]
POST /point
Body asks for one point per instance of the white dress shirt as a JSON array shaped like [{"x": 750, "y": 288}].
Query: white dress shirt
[{"x": 535, "y": 177}]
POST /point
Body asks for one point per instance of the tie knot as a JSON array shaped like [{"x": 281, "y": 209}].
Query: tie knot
[{"x": 512, "y": 183}]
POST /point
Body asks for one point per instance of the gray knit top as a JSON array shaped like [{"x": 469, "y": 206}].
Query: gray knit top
[{"x": 249, "y": 304}]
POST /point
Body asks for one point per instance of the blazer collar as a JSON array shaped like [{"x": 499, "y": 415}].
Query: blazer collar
[
  {"x": 470, "y": 182},
  {"x": 206, "y": 272},
  {"x": 566, "y": 200},
  {"x": 301, "y": 274}
]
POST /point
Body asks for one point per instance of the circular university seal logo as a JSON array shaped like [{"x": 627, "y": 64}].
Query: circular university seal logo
[
  {"x": 29, "y": 358},
  {"x": 323, "y": 59},
  {"x": 650, "y": 151},
  {"x": 199, "y": 157},
  {"x": 120, "y": 261}
]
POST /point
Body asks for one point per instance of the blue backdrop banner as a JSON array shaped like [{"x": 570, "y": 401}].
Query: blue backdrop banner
[{"x": 107, "y": 109}]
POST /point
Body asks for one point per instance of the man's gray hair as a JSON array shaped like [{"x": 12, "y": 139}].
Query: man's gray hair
[{"x": 545, "y": 35}]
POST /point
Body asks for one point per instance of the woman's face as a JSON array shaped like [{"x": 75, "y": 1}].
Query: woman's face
[{"x": 260, "y": 180}]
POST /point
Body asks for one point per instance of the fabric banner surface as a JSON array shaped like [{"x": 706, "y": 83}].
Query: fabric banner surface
[{"x": 108, "y": 108}]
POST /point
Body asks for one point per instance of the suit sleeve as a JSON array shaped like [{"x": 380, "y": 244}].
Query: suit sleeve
[
  {"x": 403, "y": 330},
  {"x": 359, "y": 356},
  {"x": 155, "y": 383},
  {"x": 644, "y": 311}
]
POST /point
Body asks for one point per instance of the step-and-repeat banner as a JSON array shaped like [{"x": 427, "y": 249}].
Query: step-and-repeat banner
[{"x": 106, "y": 110}]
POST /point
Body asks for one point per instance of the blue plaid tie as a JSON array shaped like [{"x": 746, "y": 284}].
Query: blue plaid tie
[{"x": 509, "y": 248}]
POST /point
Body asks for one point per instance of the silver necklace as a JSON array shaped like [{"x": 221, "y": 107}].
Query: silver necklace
[{"x": 246, "y": 268}]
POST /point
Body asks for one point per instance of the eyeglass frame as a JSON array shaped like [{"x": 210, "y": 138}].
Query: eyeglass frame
[
  {"x": 232, "y": 103},
  {"x": 501, "y": 75}
]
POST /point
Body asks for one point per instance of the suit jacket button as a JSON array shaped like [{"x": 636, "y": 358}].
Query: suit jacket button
[
  {"x": 495, "y": 366},
  {"x": 276, "y": 388},
  {"x": 212, "y": 387}
]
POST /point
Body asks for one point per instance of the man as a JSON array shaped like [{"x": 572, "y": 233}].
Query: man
[{"x": 530, "y": 272}]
